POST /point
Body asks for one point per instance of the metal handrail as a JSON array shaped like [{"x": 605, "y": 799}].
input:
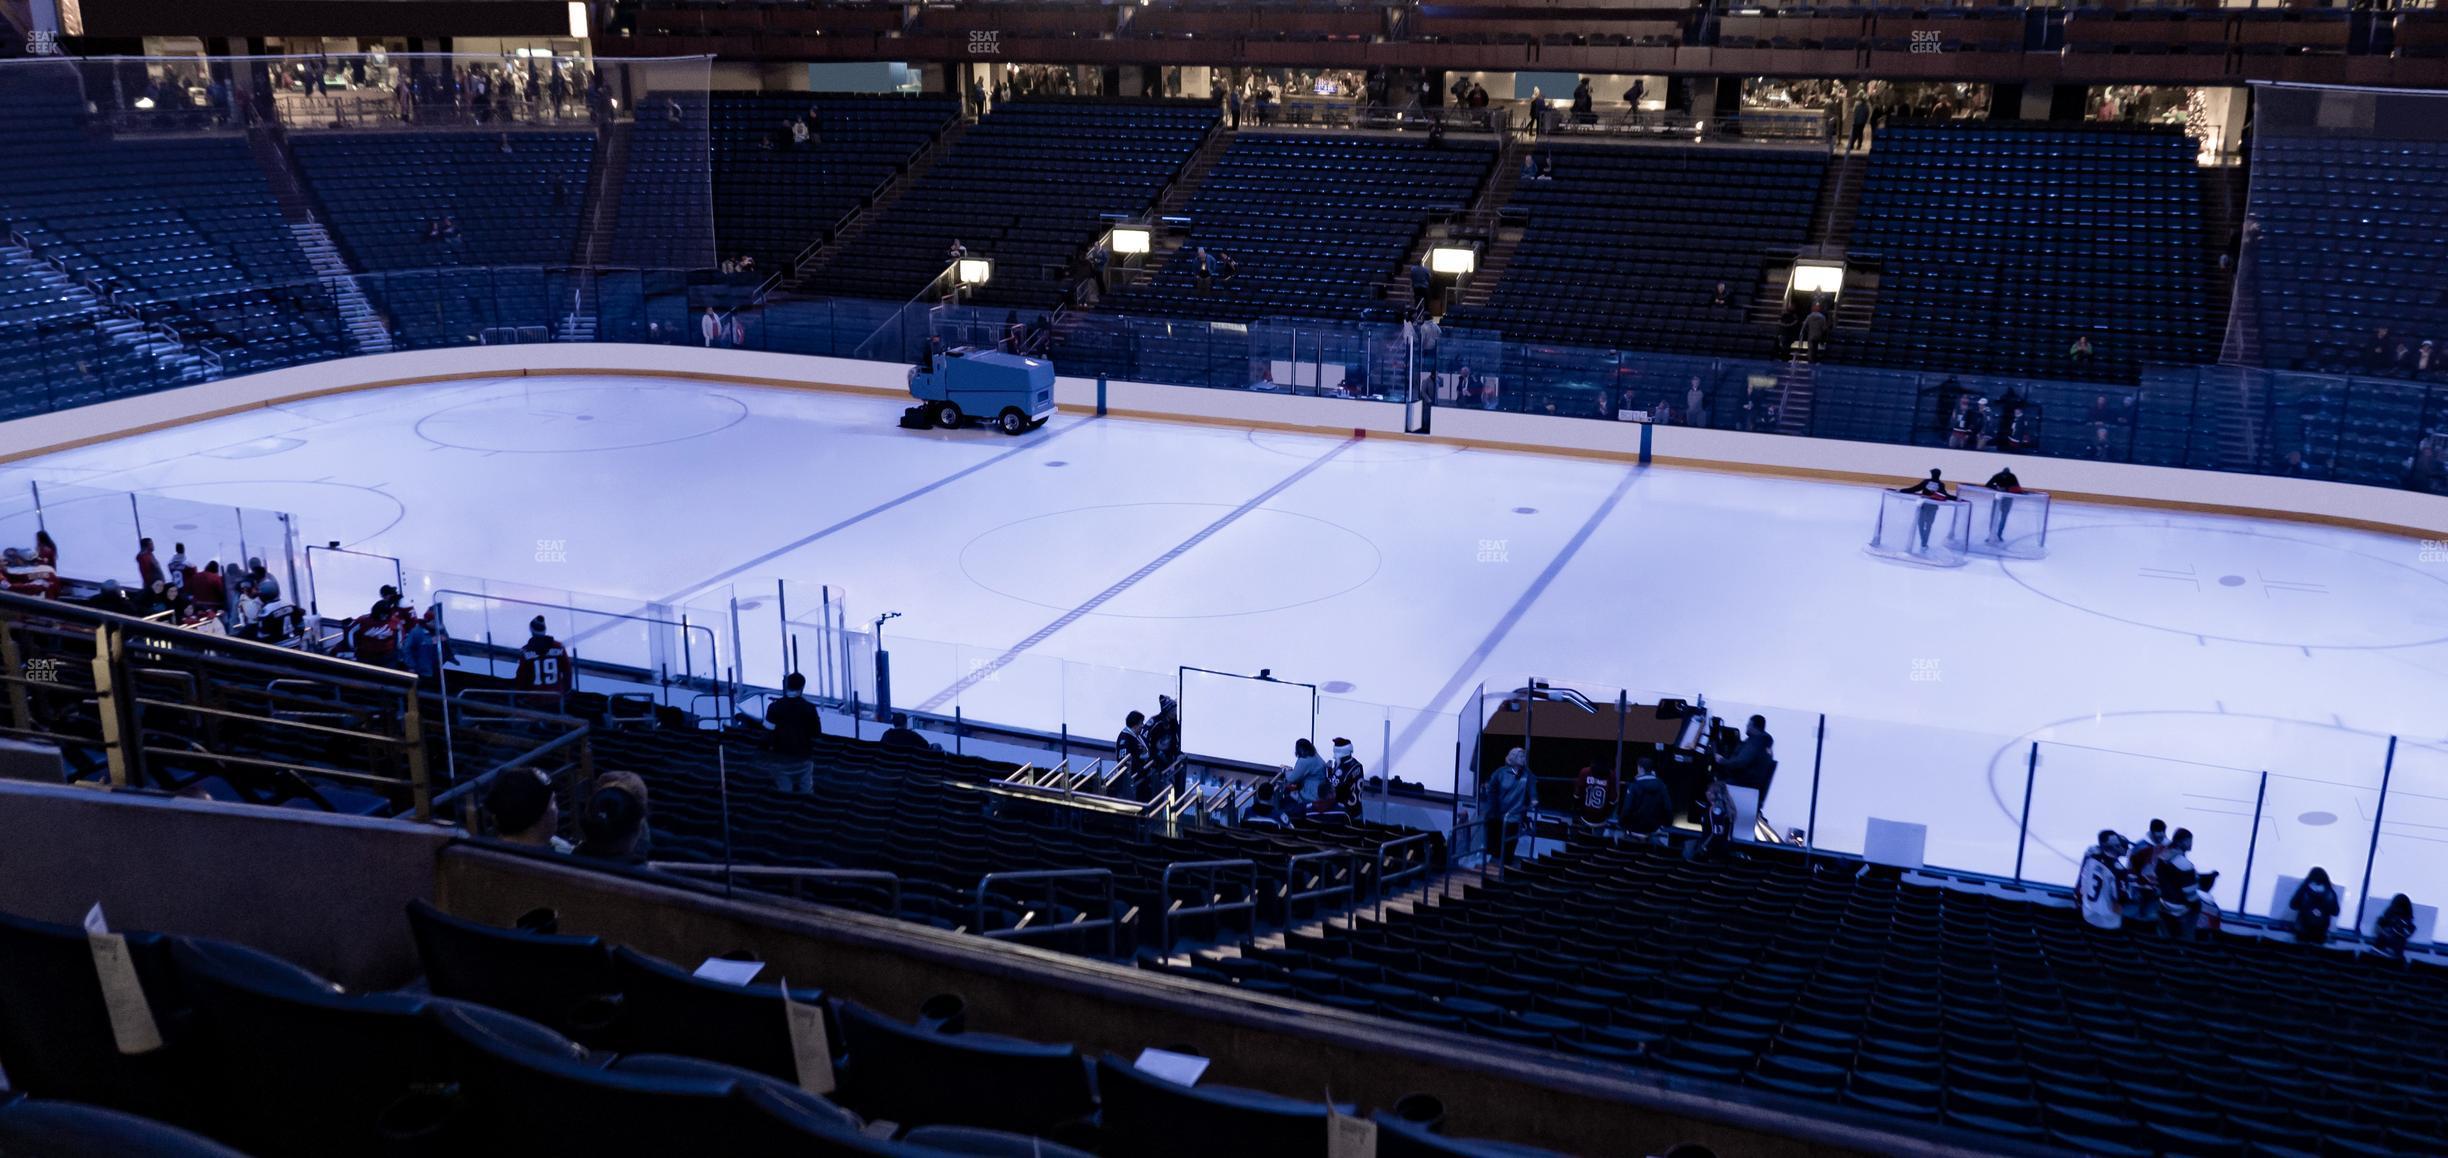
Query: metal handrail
[
  {"x": 1349, "y": 888},
  {"x": 1050, "y": 877},
  {"x": 891, "y": 881},
  {"x": 1209, "y": 870},
  {"x": 1385, "y": 880}
]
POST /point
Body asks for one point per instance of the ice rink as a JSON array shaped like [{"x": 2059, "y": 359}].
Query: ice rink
[{"x": 2160, "y": 662}]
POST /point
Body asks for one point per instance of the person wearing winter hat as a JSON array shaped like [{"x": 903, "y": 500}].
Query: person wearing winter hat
[
  {"x": 544, "y": 669},
  {"x": 1347, "y": 774},
  {"x": 614, "y": 825},
  {"x": 524, "y": 811}
]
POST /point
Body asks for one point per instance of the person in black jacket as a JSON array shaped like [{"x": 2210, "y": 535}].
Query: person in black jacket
[
  {"x": 2007, "y": 486},
  {"x": 1933, "y": 487},
  {"x": 2396, "y": 927},
  {"x": 901, "y": 736},
  {"x": 795, "y": 726},
  {"x": 1131, "y": 750},
  {"x": 2315, "y": 906},
  {"x": 1164, "y": 735},
  {"x": 1747, "y": 773},
  {"x": 1648, "y": 808},
  {"x": 1345, "y": 774}
]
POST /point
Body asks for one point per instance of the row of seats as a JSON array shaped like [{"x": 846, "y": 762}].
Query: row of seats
[
  {"x": 1624, "y": 246},
  {"x": 1028, "y": 186},
  {"x": 2003, "y": 244},
  {"x": 515, "y": 196},
  {"x": 921, "y": 815},
  {"x": 2004, "y": 1016},
  {"x": 2346, "y": 240},
  {"x": 267, "y": 1057},
  {"x": 182, "y": 231},
  {"x": 1314, "y": 224}
]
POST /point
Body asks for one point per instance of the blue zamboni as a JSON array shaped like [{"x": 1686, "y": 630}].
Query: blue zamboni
[{"x": 1013, "y": 392}]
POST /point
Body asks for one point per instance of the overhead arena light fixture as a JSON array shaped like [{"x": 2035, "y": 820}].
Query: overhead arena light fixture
[
  {"x": 577, "y": 20},
  {"x": 973, "y": 270},
  {"x": 1818, "y": 277},
  {"x": 1131, "y": 240},
  {"x": 1453, "y": 260}
]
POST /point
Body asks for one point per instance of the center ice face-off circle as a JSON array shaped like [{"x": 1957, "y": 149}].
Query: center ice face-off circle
[{"x": 582, "y": 418}]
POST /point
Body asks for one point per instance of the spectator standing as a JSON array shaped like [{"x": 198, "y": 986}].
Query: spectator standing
[
  {"x": 1716, "y": 825},
  {"x": 1861, "y": 124},
  {"x": 148, "y": 568},
  {"x": 1584, "y": 105},
  {"x": 614, "y": 827},
  {"x": 795, "y": 727},
  {"x": 544, "y": 669},
  {"x": 1131, "y": 750},
  {"x": 1510, "y": 793},
  {"x": 178, "y": 566},
  {"x": 1815, "y": 329},
  {"x": 1695, "y": 411},
  {"x": 2395, "y": 928},
  {"x": 1648, "y": 808},
  {"x": 422, "y": 645},
  {"x": 2315, "y": 906},
  {"x": 524, "y": 811},
  {"x": 2101, "y": 886},
  {"x": 2079, "y": 354},
  {"x": 1232, "y": 106},
  {"x": 206, "y": 588},
  {"x": 46, "y": 550},
  {"x": 709, "y": 327}
]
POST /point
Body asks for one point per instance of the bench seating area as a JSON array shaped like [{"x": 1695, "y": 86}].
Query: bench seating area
[
  {"x": 1992, "y": 1014},
  {"x": 2352, "y": 235},
  {"x": 555, "y": 1042},
  {"x": 1623, "y": 246},
  {"x": 1027, "y": 186},
  {"x": 1316, "y": 222},
  {"x": 517, "y": 196},
  {"x": 772, "y": 200},
  {"x": 915, "y": 813},
  {"x": 2004, "y": 242},
  {"x": 178, "y": 231},
  {"x": 666, "y": 214}
]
